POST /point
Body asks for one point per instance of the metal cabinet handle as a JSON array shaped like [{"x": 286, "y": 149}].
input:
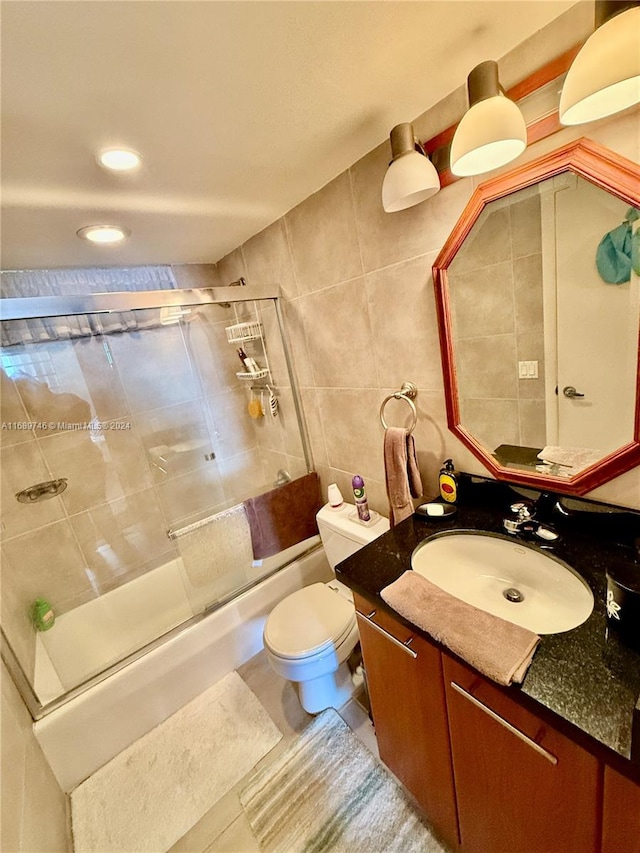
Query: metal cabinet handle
[
  {"x": 404, "y": 646},
  {"x": 503, "y": 722}
]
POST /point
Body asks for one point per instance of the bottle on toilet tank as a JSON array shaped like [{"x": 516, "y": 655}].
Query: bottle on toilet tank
[{"x": 360, "y": 498}]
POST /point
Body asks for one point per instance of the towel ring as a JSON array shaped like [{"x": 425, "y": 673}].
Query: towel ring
[{"x": 407, "y": 393}]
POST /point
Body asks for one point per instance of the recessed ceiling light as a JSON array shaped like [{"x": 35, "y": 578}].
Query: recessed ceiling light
[
  {"x": 119, "y": 159},
  {"x": 103, "y": 233}
]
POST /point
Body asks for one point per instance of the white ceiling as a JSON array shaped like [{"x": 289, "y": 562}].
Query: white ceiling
[{"x": 240, "y": 110}]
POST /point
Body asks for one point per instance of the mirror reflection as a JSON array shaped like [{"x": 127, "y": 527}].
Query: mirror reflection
[{"x": 544, "y": 316}]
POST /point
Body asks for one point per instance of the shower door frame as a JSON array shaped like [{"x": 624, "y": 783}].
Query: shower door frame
[{"x": 41, "y": 307}]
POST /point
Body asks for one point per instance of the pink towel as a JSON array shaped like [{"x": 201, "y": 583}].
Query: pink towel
[
  {"x": 401, "y": 472},
  {"x": 497, "y": 648}
]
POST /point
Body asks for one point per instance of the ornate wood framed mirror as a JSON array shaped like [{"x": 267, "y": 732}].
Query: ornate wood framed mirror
[{"x": 538, "y": 300}]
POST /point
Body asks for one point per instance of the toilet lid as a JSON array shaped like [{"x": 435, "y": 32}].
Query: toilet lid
[{"x": 308, "y": 620}]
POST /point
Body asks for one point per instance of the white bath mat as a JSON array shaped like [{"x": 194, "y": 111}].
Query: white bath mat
[{"x": 148, "y": 796}]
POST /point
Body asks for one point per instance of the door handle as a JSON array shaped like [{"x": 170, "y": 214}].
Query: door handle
[{"x": 570, "y": 391}]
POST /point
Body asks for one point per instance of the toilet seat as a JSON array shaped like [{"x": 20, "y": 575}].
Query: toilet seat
[{"x": 308, "y": 621}]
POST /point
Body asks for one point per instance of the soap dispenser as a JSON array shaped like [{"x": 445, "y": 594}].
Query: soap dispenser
[{"x": 448, "y": 482}]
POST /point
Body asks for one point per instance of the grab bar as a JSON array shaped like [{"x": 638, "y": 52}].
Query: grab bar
[{"x": 407, "y": 393}]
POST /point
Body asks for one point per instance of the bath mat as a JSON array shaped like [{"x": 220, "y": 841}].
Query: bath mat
[
  {"x": 153, "y": 792},
  {"x": 328, "y": 793}
]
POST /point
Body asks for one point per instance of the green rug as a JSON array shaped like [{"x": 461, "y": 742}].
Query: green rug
[{"x": 328, "y": 793}]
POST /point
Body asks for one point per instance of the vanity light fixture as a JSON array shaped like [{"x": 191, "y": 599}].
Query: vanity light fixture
[
  {"x": 604, "y": 78},
  {"x": 411, "y": 176},
  {"x": 492, "y": 132},
  {"x": 119, "y": 159},
  {"x": 103, "y": 234}
]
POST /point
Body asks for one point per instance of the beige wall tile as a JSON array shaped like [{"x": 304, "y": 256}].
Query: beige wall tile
[
  {"x": 242, "y": 476},
  {"x": 487, "y": 367},
  {"x": 339, "y": 336},
  {"x": 12, "y": 412},
  {"x": 196, "y": 275},
  {"x": 272, "y": 345},
  {"x": 191, "y": 496},
  {"x": 23, "y": 465},
  {"x": 323, "y": 238},
  {"x": 34, "y": 809},
  {"x": 101, "y": 378},
  {"x": 482, "y": 301},
  {"x": 175, "y": 439},
  {"x": 526, "y": 227},
  {"x": 533, "y": 428},
  {"x": 268, "y": 259},
  {"x": 492, "y": 422},
  {"x": 233, "y": 430},
  {"x": 531, "y": 348},
  {"x": 15, "y": 619},
  {"x": 387, "y": 238},
  {"x": 104, "y": 468},
  {"x": 212, "y": 356},
  {"x": 294, "y": 324},
  {"x": 231, "y": 268},
  {"x": 46, "y": 563},
  {"x": 313, "y": 418},
  {"x": 118, "y": 537},
  {"x": 487, "y": 243},
  {"x": 527, "y": 274},
  {"x": 154, "y": 368},
  {"x": 404, "y": 324},
  {"x": 352, "y": 430}
]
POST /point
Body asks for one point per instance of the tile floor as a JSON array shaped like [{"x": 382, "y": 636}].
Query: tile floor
[{"x": 224, "y": 828}]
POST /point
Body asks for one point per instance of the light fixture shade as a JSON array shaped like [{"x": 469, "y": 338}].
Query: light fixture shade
[
  {"x": 605, "y": 75},
  {"x": 492, "y": 132},
  {"x": 410, "y": 179},
  {"x": 103, "y": 234}
]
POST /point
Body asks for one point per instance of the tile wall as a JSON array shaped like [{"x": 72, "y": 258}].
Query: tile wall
[{"x": 359, "y": 293}]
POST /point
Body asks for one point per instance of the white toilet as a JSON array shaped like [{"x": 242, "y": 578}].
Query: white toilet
[{"x": 310, "y": 634}]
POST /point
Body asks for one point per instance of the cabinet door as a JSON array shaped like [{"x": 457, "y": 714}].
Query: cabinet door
[
  {"x": 621, "y": 814},
  {"x": 404, "y": 677},
  {"x": 521, "y": 786}
]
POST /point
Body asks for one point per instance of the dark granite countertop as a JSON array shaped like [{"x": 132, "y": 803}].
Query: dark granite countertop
[{"x": 585, "y": 676}]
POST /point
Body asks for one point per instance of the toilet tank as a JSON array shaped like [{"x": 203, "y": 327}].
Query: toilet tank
[{"x": 343, "y": 534}]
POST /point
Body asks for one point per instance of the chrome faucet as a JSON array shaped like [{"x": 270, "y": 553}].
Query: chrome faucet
[{"x": 523, "y": 514}]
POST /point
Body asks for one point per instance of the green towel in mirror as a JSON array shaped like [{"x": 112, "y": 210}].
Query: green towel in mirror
[{"x": 613, "y": 256}]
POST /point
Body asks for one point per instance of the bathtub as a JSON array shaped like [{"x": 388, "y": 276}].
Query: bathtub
[{"x": 90, "y": 729}]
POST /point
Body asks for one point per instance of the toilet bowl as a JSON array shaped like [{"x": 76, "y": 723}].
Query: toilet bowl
[{"x": 310, "y": 634}]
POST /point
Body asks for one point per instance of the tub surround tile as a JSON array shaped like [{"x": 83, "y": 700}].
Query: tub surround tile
[
  {"x": 298, "y": 336},
  {"x": 313, "y": 418},
  {"x": 154, "y": 368},
  {"x": 232, "y": 429},
  {"x": 12, "y": 411},
  {"x": 100, "y": 468},
  {"x": 23, "y": 465},
  {"x": 101, "y": 378},
  {"x": 118, "y": 537},
  {"x": 323, "y": 238},
  {"x": 175, "y": 439},
  {"x": 192, "y": 496},
  {"x": 196, "y": 275},
  {"x": 242, "y": 476},
  {"x": 214, "y": 358},
  {"x": 46, "y": 563}
]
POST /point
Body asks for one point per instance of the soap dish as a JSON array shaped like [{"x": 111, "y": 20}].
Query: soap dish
[{"x": 436, "y": 511}]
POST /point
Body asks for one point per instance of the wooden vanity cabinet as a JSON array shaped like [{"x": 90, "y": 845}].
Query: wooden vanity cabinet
[
  {"x": 620, "y": 814},
  {"x": 406, "y": 691},
  {"x": 521, "y": 786}
]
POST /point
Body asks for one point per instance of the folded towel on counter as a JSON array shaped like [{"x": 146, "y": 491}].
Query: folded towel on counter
[
  {"x": 497, "y": 648},
  {"x": 284, "y": 516},
  {"x": 401, "y": 472}
]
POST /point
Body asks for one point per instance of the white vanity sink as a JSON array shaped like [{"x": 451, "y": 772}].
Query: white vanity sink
[{"x": 506, "y": 578}]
